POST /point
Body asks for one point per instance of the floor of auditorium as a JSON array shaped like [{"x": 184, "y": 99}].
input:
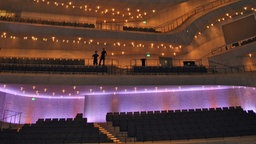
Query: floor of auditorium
[{"x": 233, "y": 140}]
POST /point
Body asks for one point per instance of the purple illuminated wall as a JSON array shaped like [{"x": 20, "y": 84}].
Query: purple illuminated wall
[
  {"x": 2, "y": 100},
  {"x": 43, "y": 107},
  {"x": 95, "y": 107}
]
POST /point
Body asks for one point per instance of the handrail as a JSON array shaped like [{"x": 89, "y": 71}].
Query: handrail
[
  {"x": 228, "y": 47},
  {"x": 233, "y": 69},
  {"x": 156, "y": 62},
  {"x": 212, "y": 52},
  {"x": 10, "y": 116},
  {"x": 173, "y": 24},
  {"x": 220, "y": 64}
]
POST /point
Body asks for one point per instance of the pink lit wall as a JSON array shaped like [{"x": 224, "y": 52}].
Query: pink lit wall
[
  {"x": 43, "y": 108},
  {"x": 95, "y": 107}
]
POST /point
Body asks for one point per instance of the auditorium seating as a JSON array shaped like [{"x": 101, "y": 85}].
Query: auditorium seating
[
  {"x": 54, "y": 130},
  {"x": 7, "y": 135},
  {"x": 46, "y": 22},
  {"x": 53, "y": 69},
  {"x": 48, "y": 65},
  {"x": 185, "y": 124},
  {"x": 126, "y": 28},
  {"x": 166, "y": 70},
  {"x": 144, "y": 126},
  {"x": 40, "y": 61},
  {"x": 77, "y": 66},
  {"x": 243, "y": 42},
  {"x": 247, "y": 41}
]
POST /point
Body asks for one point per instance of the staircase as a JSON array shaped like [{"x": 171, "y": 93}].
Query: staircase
[
  {"x": 109, "y": 135},
  {"x": 114, "y": 133}
]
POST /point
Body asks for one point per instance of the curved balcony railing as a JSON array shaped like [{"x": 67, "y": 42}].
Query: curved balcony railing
[
  {"x": 173, "y": 24},
  {"x": 226, "y": 48},
  {"x": 166, "y": 27}
]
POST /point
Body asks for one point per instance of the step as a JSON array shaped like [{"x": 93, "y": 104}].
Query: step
[
  {"x": 104, "y": 129},
  {"x": 115, "y": 131}
]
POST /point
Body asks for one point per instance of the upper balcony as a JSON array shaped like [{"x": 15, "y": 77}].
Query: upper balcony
[{"x": 160, "y": 16}]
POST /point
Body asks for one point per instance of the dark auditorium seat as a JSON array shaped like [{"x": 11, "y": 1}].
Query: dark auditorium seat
[
  {"x": 55, "y": 130},
  {"x": 186, "y": 124},
  {"x": 46, "y": 22},
  {"x": 167, "y": 70},
  {"x": 48, "y": 65}
]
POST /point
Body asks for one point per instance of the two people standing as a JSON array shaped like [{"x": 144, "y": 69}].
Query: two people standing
[{"x": 102, "y": 57}]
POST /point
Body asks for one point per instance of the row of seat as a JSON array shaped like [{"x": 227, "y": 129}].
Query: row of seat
[
  {"x": 73, "y": 68},
  {"x": 52, "y": 123},
  {"x": 40, "y": 61},
  {"x": 176, "y": 116},
  {"x": 164, "y": 70},
  {"x": 243, "y": 42},
  {"x": 63, "y": 23},
  {"x": 248, "y": 41},
  {"x": 185, "y": 124},
  {"x": 180, "y": 110},
  {"x": 126, "y": 28},
  {"x": 162, "y": 113},
  {"x": 52, "y": 69},
  {"x": 55, "y": 130}
]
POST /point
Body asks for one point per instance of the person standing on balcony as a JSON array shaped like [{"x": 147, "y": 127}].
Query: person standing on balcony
[
  {"x": 103, "y": 56},
  {"x": 95, "y": 58}
]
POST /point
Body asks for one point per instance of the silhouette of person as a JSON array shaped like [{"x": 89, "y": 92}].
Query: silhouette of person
[
  {"x": 95, "y": 58},
  {"x": 102, "y": 57}
]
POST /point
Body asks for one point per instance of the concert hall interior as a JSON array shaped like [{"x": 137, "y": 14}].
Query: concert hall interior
[{"x": 160, "y": 56}]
